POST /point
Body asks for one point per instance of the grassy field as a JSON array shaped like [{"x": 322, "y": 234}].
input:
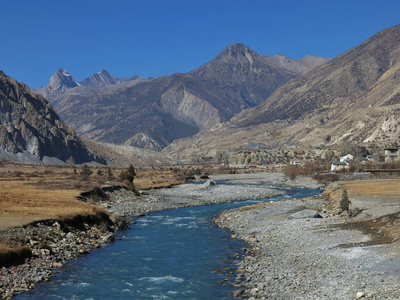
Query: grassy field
[
  {"x": 30, "y": 192},
  {"x": 365, "y": 194},
  {"x": 378, "y": 188},
  {"x": 385, "y": 188}
]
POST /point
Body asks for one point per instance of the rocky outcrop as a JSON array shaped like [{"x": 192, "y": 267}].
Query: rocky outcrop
[
  {"x": 52, "y": 243},
  {"x": 28, "y": 123}
]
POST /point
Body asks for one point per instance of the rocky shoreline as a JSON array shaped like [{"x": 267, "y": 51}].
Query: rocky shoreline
[
  {"x": 309, "y": 258},
  {"x": 52, "y": 243},
  {"x": 123, "y": 202}
]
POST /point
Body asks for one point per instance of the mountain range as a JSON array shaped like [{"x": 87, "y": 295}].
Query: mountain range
[
  {"x": 152, "y": 113},
  {"x": 353, "y": 98},
  {"x": 238, "y": 99}
]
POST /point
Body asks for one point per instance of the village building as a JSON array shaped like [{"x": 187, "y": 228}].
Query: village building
[
  {"x": 343, "y": 164},
  {"x": 346, "y": 157},
  {"x": 392, "y": 152},
  {"x": 339, "y": 166}
]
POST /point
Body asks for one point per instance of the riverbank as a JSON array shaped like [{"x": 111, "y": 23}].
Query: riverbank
[
  {"x": 215, "y": 190},
  {"x": 49, "y": 245},
  {"x": 53, "y": 243},
  {"x": 317, "y": 258}
]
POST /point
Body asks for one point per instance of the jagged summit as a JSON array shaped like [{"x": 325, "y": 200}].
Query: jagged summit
[
  {"x": 238, "y": 63},
  {"x": 238, "y": 52},
  {"x": 100, "y": 79},
  {"x": 60, "y": 81}
]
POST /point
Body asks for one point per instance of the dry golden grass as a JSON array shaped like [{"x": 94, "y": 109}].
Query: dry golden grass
[
  {"x": 21, "y": 204},
  {"x": 385, "y": 188},
  {"x": 152, "y": 179},
  {"x": 254, "y": 206},
  {"x": 384, "y": 229},
  {"x": 381, "y": 188},
  {"x": 31, "y": 193}
]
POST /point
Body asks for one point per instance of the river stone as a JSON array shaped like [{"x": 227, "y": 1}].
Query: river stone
[
  {"x": 57, "y": 265},
  {"x": 208, "y": 183},
  {"x": 304, "y": 214},
  {"x": 359, "y": 295}
]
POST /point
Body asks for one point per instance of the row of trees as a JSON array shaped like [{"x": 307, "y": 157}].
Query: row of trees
[{"x": 126, "y": 176}]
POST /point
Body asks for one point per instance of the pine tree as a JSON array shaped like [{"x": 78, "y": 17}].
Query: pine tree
[{"x": 345, "y": 202}]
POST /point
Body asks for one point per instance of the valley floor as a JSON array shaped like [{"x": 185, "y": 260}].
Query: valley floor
[{"x": 335, "y": 257}]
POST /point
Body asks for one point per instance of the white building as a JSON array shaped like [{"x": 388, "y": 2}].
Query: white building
[
  {"x": 346, "y": 157},
  {"x": 339, "y": 166}
]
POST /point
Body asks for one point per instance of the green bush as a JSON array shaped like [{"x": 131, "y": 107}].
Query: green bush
[{"x": 86, "y": 170}]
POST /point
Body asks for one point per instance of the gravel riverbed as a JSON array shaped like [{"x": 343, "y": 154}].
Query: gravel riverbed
[{"x": 310, "y": 258}]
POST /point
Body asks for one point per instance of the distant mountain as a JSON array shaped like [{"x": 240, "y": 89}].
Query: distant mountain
[
  {"x": 58, "y": 84},
  {"x": 104, "y": 78},
  {"x": 31, "y": 130},
  {"x": 353, "y": 98},
  {"x": 61, "y": 81},
  {"x": 299, "y": 66},
  {"x": 152, "y": 114},
  {"x": 100, "y": 79}
]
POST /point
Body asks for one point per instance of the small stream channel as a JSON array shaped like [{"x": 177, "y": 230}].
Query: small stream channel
[{"x": 171, "y": 254}]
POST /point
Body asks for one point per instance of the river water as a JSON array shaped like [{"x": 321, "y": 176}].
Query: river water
[{"x": 172, "y": 254}]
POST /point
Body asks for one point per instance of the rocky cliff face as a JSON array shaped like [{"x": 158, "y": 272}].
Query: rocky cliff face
[
  {"x": 28, "y": 123},
  {"x": 152, "y": 114}
]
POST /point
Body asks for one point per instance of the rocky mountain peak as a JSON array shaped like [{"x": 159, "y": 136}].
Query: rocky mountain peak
[
  {"x": 100, "y": 79},
  {"x": 238, "y": 53},
  {"x": 60, "y": 82},
  {"x": 238, "y": 63}
]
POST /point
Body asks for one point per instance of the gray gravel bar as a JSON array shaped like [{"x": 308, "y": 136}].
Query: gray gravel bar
[{"x": 309, "y": 258}]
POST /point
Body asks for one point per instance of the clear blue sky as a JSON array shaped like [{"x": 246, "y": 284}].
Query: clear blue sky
[{"x": 161, "y": 37}]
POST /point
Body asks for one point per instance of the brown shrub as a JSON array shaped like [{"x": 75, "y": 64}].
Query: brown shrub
[
  {"x": 9, "y": 256},
  {"x": 328, "y": 177}
]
